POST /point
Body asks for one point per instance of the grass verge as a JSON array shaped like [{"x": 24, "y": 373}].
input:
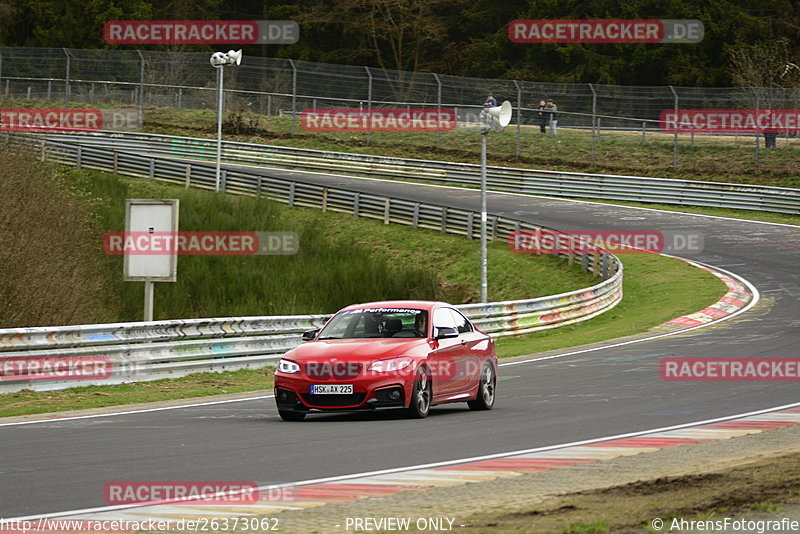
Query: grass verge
[
  {"x": 27, "y": 402},
  {"x": 763, "y": 489}
]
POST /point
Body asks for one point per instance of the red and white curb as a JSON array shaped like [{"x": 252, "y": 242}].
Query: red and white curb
[
  {"x": 311, "y": 494},
  {"x": 737, "y": 297}
]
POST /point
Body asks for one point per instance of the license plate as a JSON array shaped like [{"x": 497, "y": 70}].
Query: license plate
[{"x": 331, "y": 389}]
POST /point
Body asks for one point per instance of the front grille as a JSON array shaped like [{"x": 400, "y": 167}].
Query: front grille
[
  {"x": 334, "y": 400},
  {"x": 333, "y": 371}
]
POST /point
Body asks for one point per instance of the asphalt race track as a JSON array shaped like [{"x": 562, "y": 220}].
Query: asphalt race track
[{"x": 63, "y": 465}]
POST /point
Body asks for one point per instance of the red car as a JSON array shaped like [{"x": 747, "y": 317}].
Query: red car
[{"x": 388, "y": 355}]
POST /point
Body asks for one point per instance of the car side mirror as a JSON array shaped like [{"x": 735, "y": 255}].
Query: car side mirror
[
  {"x": 443, "y": 332},
  {"x": 309, "y": 335}
]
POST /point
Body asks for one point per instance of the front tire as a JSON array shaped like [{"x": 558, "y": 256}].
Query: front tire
[
  {"x": 421, "y": 395},
  {"x": 291, "y": 415},
  {"x": 486, "y": 389}
]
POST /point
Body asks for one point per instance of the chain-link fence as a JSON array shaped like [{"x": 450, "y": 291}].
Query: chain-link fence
[{"x": 592, "y": 119}]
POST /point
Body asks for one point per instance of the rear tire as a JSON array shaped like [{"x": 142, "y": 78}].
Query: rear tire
[
  {"x": 486, "y": 389},
  {"x": 291, "y": 415},
  {"x": 421, "y": 395}
]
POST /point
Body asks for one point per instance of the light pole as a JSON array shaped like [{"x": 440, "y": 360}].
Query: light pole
[
  {"x": 220, "y": 60},
  {"x": 494, "y": 119}
]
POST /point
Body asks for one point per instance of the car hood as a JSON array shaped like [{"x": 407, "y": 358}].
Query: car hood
[{"x": 358, "y": 349}]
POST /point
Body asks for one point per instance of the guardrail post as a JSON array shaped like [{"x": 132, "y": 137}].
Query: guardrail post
[
  {"x": 116, "y": 163},
  {"x": 596, "y": 263},
  {"x": 49, "y": 89},
  {"x": 356, "y": 203},
  {"x": 324, "y": 199},
  {"x": 604, "y": 266},
  {"x": 494, "y": 227},
  {"x": 644, "y": 124},
  {"x": 291, "y": 194},
  {"x": 153, "y": 168},
  {"x": 444, "y": 219},
  {"x": 42, "y": 148},
  {"x": 258, "y": 186},
  {"x": 415, "y": 216},
  {"x": 584, "y": 262},
  {"x": 180, "y": 98},
  {"x": 78, "y": 155},
  {"x": 386, "y": 209},
  {"x": 188, "y": 176},
  {"x": 470, "y": 224},
  {"x": 223, "y": 178}
]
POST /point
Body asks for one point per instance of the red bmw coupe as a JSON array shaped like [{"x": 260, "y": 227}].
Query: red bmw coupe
[{"x": 401, "y": 354}]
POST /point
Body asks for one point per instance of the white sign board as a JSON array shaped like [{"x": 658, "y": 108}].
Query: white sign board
[{"x": 150, "y": 216}]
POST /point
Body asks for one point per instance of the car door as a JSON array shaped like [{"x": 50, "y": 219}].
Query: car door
[
  {"x": 445, "y": 356},
  {"x": 469, "y": 363}
]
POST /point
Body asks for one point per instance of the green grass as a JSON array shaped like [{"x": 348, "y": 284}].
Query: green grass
[{"x": 342, "y": 259}]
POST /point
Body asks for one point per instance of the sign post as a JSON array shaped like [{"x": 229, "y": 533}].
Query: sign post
[{"x": 144, "y": 217}]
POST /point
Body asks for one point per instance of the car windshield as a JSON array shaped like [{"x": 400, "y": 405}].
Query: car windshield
[{"x": 376, "y": 322}]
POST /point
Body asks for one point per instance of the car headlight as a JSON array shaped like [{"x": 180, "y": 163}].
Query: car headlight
[
  {"x": 289, "y": 367},
  {"x": 392, "y": 364}
]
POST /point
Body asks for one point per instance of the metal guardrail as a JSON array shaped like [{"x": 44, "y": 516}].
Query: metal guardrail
[
  {"x": 159, "y": 349},
  {"x": 508, "y": 179}
]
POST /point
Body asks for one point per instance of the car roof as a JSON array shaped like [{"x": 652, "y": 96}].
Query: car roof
[{"x": 412, "y": 304}]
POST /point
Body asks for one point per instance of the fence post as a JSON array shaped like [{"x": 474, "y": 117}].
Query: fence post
[
  {"x": 438, "y": 110},
  {"x": 291, "y": 194},
  {"x": 116, "y": 162},
  {"x": 188, "y": 176},
  {"x": 675, "y": 137},
  {"x": 258, "y": 186},
  {"x": 470, "y": 218},
  {"x": 387, "y": 203},
  {"x": 596, "y": 263},
  {"x": 369, "y": 105},
  {"x": 67, "y": 86},
  {"x": 78, "y": 155},
  {"x": 1, "y": 67},
  {"x": 444, "y": 219},
  {"x": 415, "y": 216},
  {"x": 519, "y": 116},
  {"x": 594, "y": 125},
  {"x": 324, "y": 198},
  {"x": 294, "y": 96},
  {"x": 49, "y": 89},
  {"x": 141, "y": 86},
  {"x": 644, "y": 124},
  {"x": 758, "y": 145}
]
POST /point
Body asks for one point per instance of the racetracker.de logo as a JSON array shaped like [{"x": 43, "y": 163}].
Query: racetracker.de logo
[
  {"x": 605, "y": 31},
  {"x": 201, "y": 32},
  {"x": 378, "y": 120},
  {"x": 546, "y": 241},
  {"x": 730, "y": 369},
  {"x": 226, "y": 492},
  {"x": 55, "y": 368},
  {"x": 201, "y": 243},
  {"x": 740, "y": 121}
]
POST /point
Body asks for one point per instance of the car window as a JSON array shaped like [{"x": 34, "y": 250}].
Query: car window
[
  {"x": 442, "y": 317},
  {"x": 462, "y": 323}
]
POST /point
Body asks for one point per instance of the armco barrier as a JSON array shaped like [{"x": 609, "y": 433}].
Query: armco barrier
[
  {"x": 151, "y": 350},
  {"x": 518, "y": 180}
]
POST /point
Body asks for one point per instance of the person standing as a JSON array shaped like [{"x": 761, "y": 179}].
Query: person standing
[
  {"x": 552, "y": 116},
  {"x": 542, "y": 117}
]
